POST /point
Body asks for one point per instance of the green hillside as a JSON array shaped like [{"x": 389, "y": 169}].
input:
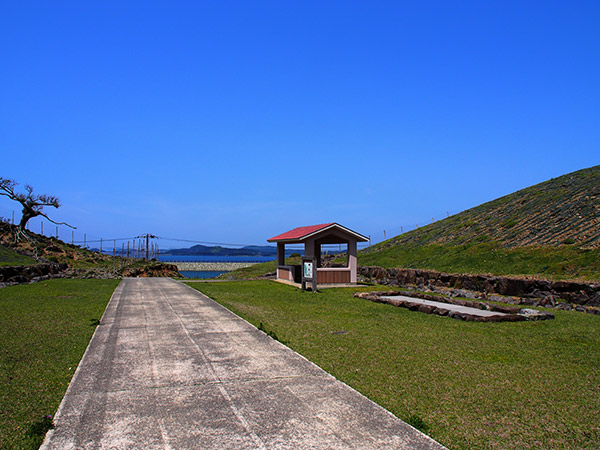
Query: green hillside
[
  {"x": 11, "y": 258},
  {"x": 551, "y": 229}
]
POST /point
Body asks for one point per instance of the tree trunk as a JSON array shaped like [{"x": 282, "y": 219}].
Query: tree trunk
[{"x": 27, "y": 215}]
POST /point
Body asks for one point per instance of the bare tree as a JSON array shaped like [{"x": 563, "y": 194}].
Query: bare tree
[{"x": 32, "y": 203}]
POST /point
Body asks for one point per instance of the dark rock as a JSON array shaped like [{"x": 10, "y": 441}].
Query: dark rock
[
  {"x": 441, "y": 311},
  {"x": 457, "y": 315},
  {"x": 427, "y": 309},
  {"x": 564, "y": 306},
  {"x": 505, "y": 309}
]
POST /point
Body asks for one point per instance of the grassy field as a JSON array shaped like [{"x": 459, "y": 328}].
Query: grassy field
[
  {"x": 44, "y": 330},
  {"x": 10, "y": 258},
  {"x": 525, "y": 385},
  {"x": 564, "y": 262},
  {"x": 257, "y": 270}
]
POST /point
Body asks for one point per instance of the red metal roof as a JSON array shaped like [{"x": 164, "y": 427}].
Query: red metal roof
[{"x": 300, "y": 232}]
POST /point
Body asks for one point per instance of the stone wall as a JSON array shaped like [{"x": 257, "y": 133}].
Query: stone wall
[
  {"x": 211, "y": 266},
  {"x": 505, "y": 313},
  {"x": 26, "y": 274},
  {"x": 549, "y": 292}
]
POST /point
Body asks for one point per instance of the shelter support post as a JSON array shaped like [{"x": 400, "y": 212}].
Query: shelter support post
[
  {"x": 280, "y": 256},
  {"x": 352, "y": 262}
]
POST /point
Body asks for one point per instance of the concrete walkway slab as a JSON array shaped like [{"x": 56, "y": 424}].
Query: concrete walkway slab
[
  {"x": 168, "y": 368},
  {"x": 448, "y": 306}
]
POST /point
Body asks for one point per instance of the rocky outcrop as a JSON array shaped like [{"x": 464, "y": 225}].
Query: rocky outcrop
[
  {"x": 29, "y": 274},
  {"x": 154, "y": 270},
  {"x": 525, "y": 291}
]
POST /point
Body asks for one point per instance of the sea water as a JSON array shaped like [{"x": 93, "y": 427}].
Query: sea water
[{"x": 200, "y": 274}]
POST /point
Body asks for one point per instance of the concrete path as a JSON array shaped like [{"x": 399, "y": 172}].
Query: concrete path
[
  {"x": 168, "y": 368},
  {"x": 448, "y": 306}
]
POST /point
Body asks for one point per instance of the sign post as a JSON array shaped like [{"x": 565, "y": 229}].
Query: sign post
[{"x": 309, "y": 272}]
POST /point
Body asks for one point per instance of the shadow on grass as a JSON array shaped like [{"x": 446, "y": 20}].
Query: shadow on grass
[
  {"x": 40, "y": 428},
  {"x": 418, "y": 422}
]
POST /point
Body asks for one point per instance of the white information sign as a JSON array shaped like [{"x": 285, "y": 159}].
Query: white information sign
[{"x": 308, "y": 270}]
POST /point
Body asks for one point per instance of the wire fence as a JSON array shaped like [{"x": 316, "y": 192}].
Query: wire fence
[{"x": 150, "y": 246}]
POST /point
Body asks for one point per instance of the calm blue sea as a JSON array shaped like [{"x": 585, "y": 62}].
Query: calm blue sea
[
  {"x": 202, "y": 274},
  {"x": 207, "y": 258}
]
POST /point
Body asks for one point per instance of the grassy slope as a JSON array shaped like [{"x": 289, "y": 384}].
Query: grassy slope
[
  {"x": 44, "y": 330},
  {"x": 551, "y": 230},
  {"x": 565, "y": 262},
  {"x": 470, "y": 385},
  {"x": 10, "y": 258},
  {"x": 54, "y": 250}
]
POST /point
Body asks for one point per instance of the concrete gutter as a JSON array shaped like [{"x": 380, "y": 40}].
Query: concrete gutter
[{"x": 168, "y": 368}]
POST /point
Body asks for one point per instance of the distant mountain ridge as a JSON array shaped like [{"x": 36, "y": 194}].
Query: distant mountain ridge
[
  {"x": 563, "y": 210},
  {"x": 206, "y": 250}
]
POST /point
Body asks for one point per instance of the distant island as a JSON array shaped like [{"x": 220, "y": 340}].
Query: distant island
[{"x": 250, "y": 250}]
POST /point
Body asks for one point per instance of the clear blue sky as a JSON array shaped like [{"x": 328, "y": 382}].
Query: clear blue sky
[{"x": 235, "y": 121}]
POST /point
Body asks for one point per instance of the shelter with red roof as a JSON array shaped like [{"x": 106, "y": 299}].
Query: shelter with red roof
[{"x": 313, "y": 237}]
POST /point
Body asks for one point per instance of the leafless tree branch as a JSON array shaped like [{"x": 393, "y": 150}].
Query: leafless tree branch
[{"x": 32, "y": 204}]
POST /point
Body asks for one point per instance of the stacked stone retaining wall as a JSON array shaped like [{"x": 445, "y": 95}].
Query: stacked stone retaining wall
[
  {"x": 26, "y": 274},
  {"x": 550, "y": 293}
]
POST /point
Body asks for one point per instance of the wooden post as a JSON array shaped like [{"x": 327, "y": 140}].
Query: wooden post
[
  {"x": 57, "y": 232},
  {"x": 72, "y": 237},
  {"x": 127, "y": 249},
  {"x": 401, "y": 230},
  {"x": 384, "y": 236},
  {"x": 447, "y": 214},
  {"x": 42, "y": 224},
  {"x": 13, "y": 218},
  {"x": 114, "y": 248},
  {"x": 100, "y": 245},
  {"x": 84, "y": 240}
]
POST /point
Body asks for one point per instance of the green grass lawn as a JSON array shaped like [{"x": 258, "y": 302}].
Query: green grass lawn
[
  {"x": 10, "y": 258},
  {"x": 524, "y": 385},
  {"x": 564, "y": 262},
  {"x": 44, "y": 330},
  {"x": 257, "y": 270}
]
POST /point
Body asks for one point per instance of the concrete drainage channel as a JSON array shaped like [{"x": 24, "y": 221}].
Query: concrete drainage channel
[{"x": 470, "y": 311}]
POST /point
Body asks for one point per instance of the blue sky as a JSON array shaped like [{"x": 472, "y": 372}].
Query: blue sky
[{"x": 235, "y": 121}]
